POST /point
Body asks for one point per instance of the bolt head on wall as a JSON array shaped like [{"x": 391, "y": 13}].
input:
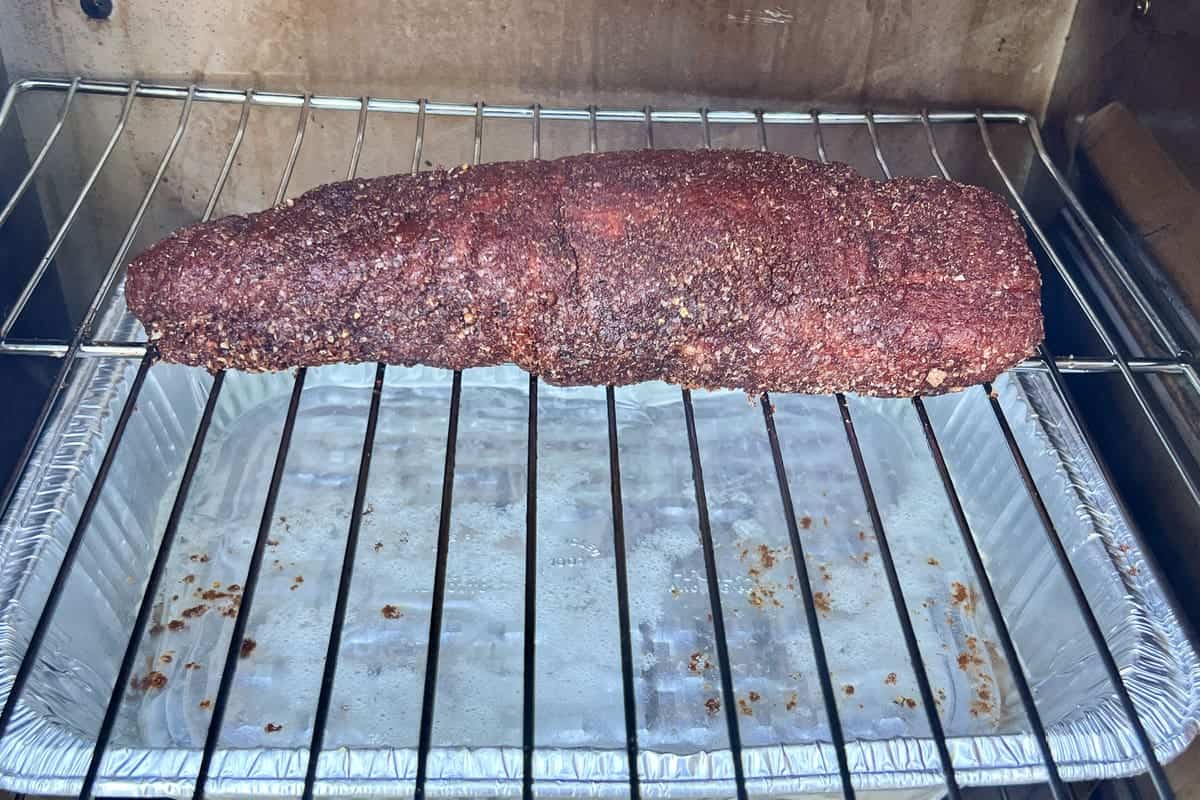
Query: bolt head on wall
[{"x": 97, "y": 9}]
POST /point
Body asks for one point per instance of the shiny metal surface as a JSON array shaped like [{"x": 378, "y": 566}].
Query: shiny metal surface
[
  {"x": 530, "y": 458},
  {"x": 158, "y": 737},
  {"x": 1093, "y": 317},
  {"x": 19, "y": 192},
  {"x": 39, "y": 271}
]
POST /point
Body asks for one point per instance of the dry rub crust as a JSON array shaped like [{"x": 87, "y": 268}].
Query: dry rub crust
[{"x": 722, "y": 268}]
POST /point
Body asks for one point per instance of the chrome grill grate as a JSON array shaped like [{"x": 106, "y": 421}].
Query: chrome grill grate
[{"x": 83, "y": 344}]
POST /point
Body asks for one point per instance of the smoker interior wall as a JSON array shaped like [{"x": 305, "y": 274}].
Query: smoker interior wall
[
  {"x": 1150, "y": 63},
  {"x": 22, "y": 242},
  {"x": 910, "y": 51},
  {"x": 671, "y": 53}
]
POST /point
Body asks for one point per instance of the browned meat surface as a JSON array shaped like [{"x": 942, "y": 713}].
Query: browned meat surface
[{"x": 748, "y": 270}]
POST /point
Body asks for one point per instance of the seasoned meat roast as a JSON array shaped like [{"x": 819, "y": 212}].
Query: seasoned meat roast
[{"x": 715, "y": 268}]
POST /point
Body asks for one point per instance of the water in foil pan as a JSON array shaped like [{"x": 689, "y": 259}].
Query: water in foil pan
[{"x": 372, "y": 735}]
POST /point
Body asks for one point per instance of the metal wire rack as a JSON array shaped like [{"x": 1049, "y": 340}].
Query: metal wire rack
[{"x": 84, "y": 345}]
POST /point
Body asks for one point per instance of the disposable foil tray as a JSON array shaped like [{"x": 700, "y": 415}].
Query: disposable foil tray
[{"x": 372, "y": 735}]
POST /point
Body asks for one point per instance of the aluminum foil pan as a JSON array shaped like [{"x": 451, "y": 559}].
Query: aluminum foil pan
[{"x": 372, "y": 736}]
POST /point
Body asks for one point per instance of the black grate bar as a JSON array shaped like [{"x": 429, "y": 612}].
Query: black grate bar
[
  {"x": 1057, "y": 788},
  {"x": 906, "y": 626},
  {"x": 112, "y": 711},
  {"x": 885, "y": 552},
  {"x": 828, "y": 695},
  {"x": 41, "y": 156},
  {"x": 972, "y": 551},
  {"x": 438, "y": 602},
  {"x": 530, "y": 636},
  {"x": 529, "y": 672},
  {"x": 1157, "y": 775},
  {"x": 618, "y": 514},
  {"x": 714, "y": 598},
  {"x": 93, "y": 309},
  {"x": 619, "y": 552},
  {"x": 329, "y": 673},
  {"x": 710, "y": 561},
  {"x": 914, "y": 653},
  {"x": 1093, "y": 317},
  {"x": 73, "y": 546},
  {"x": 333, "y": 647},
  {"x": 1163, "y": 331},
  {"x": 30, "y": 659},
  {"x": 61, "y": 234},
  {"x": 1086, "y": 253},
  {"x": 250, "y": 583},
  {"x": 1053, "y": 366},
  {"x": 437, "y": 606}
]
